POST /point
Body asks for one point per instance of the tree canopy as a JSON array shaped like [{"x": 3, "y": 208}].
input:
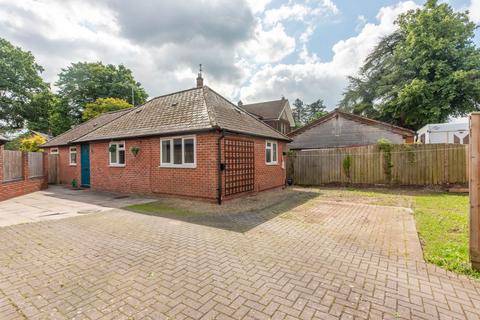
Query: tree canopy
[
  {"x": 20, "y": 82},
  {"x": 32, "y": 143},
  {"x": 425, "y": 72},
  {"x": 102, "y": 105},
  {"x": 85, "y": 82},
  {"x": 305, "y": 113}
]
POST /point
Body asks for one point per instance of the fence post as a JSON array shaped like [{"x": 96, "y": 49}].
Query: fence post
[
  {"x": 474, "y": 187},
  {"x": 1, "y": 163},
  {"x": 45, "y": 169},
  {"x": 25, "y": 165}
]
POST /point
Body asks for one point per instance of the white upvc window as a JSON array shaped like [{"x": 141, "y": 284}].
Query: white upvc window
[
  {"x": 54, "y": 151},
  {"x": 178, "y": 152},
  {"x": 116, "y": 154},
  {"x": 271, "y": 152},
  {"x": 73, "y": 156}
]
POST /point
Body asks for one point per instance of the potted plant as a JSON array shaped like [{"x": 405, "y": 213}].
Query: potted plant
[{"x": 135, "y": 150}]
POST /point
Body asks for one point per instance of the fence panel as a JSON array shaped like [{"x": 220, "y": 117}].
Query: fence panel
[
  {"x": 12, "y": 165},
  {"x": 434, "y": 164},
  {"x": 35, "y": 164}
]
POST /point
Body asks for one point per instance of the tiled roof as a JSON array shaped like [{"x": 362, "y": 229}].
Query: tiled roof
[
  {"x": 84, "y": 128},
  {"x": 353, "y": 117},
  {"x": 266, "y": 110},
  {"x": 228, "y": 116},
  {"x": 196, "y": 109}
]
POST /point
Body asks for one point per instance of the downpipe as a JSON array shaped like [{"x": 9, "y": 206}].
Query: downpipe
[{"x": 221, "y": 167}]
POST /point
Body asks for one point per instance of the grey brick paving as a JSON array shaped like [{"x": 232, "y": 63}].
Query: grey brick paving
[{"x": 321, "y": 260}]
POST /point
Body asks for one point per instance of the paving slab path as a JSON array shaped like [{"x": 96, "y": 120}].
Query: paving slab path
[{"x": 320, "y": 260}]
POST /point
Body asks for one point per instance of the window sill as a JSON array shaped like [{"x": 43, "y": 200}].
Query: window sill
[
  {"x": 177, "y": 166},
  {"x": 271, "y": 163},
  {"x": 116, "y": 165},
  {"x": 72, "y": 164}
]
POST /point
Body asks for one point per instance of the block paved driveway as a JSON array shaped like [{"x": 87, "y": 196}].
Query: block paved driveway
[
  {"x": 321, "y": 259},
  {"x": 58, "y": 203}
]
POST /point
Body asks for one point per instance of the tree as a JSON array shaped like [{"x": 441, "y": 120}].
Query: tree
[
  {"x": 59, "y": 118},
  {"x": 39, "y": 110},
  {"x": 20, "y": 81},
  {"x": 426, "y": 71},
  {"x": 32, "y": 143},
  {"x": 299, "y": 113},
  {"x": 102, "y": 105},
  {"x": 85, "y": 82},
  {"x": 316, "y": 110}
]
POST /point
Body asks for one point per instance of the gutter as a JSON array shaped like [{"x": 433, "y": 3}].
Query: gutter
[{"x": 220, "y": 167}]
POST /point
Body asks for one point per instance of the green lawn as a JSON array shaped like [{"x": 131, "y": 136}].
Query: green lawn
[{"x": 442, "y": 223}]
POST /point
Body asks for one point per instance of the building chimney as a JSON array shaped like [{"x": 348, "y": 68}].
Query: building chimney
[
  {"x": 240, "y": 103},
  {"x": 200, "y": 78}
]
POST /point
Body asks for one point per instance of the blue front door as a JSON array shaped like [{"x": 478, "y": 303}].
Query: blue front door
[{"x": 85, "y": 160}]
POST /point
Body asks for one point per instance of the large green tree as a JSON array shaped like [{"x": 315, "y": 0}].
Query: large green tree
[
  {"x": 426, "y": 71},
  {"x": 304, "y": 113},
  {"x": 20, "y": 82},
  {"x": 299, "y": 112},
  {"x": 85, "y": 82},
  {"x": 39, "y": 110},
  {"x": 316, "y": 110},
  {"x": 102, "y": 105}
]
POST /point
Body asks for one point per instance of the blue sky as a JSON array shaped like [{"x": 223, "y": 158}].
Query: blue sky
[
  {"x": 348, "y": 22},
  {"x": 252, "y": 50}
]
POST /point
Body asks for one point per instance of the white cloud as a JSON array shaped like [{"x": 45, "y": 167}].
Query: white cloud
[
  {"x": 474, "y": 10},
  {"x": 236, "y": 47},
  {"x": 361, "y": 21},
  {"x": 269, "y": 46},
  {"x": 295, "y": 12},
  {"x": 313, "y": 79},
  {"x": 299, "y": 12},
  {"x": 258, "y": 6},
  {"x": 159, "y": 51}
]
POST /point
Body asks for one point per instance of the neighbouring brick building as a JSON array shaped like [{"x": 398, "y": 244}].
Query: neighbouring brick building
[
  {"x": 275, "y": 113},
  {"x": 193, "y": 143}
]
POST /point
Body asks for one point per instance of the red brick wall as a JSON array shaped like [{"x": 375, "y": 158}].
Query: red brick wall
[
  {"x": 66, "y": 171},
  {"x": 268, "y": 176},
  {"x": 26, "y": 185},
  {"x": 142, "y": 174}
]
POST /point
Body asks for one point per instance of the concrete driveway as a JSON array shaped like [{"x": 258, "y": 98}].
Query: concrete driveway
[
  {"x": 58, "y": 202},
  {"x": 315, "y": 260}
]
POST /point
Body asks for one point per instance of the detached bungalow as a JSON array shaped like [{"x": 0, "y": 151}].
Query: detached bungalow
[
  {"x": 192, "y": 143},
  {"x": 343, "y": 129}
]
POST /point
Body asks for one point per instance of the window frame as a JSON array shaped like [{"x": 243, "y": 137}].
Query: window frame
[
  {"x": 272, "y": 162},
  {"x": 171, "y": 164},
  {"x": 70, "y": 152},
  {"x": 117, "y": 153},
  {"x": 57, "y": 151}
]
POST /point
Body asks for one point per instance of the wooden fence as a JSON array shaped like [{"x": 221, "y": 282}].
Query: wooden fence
[
  {"x": 35, "y": 164},
  {"x": 12, "y": 165},
  {"x": 431, "y": 164}
]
